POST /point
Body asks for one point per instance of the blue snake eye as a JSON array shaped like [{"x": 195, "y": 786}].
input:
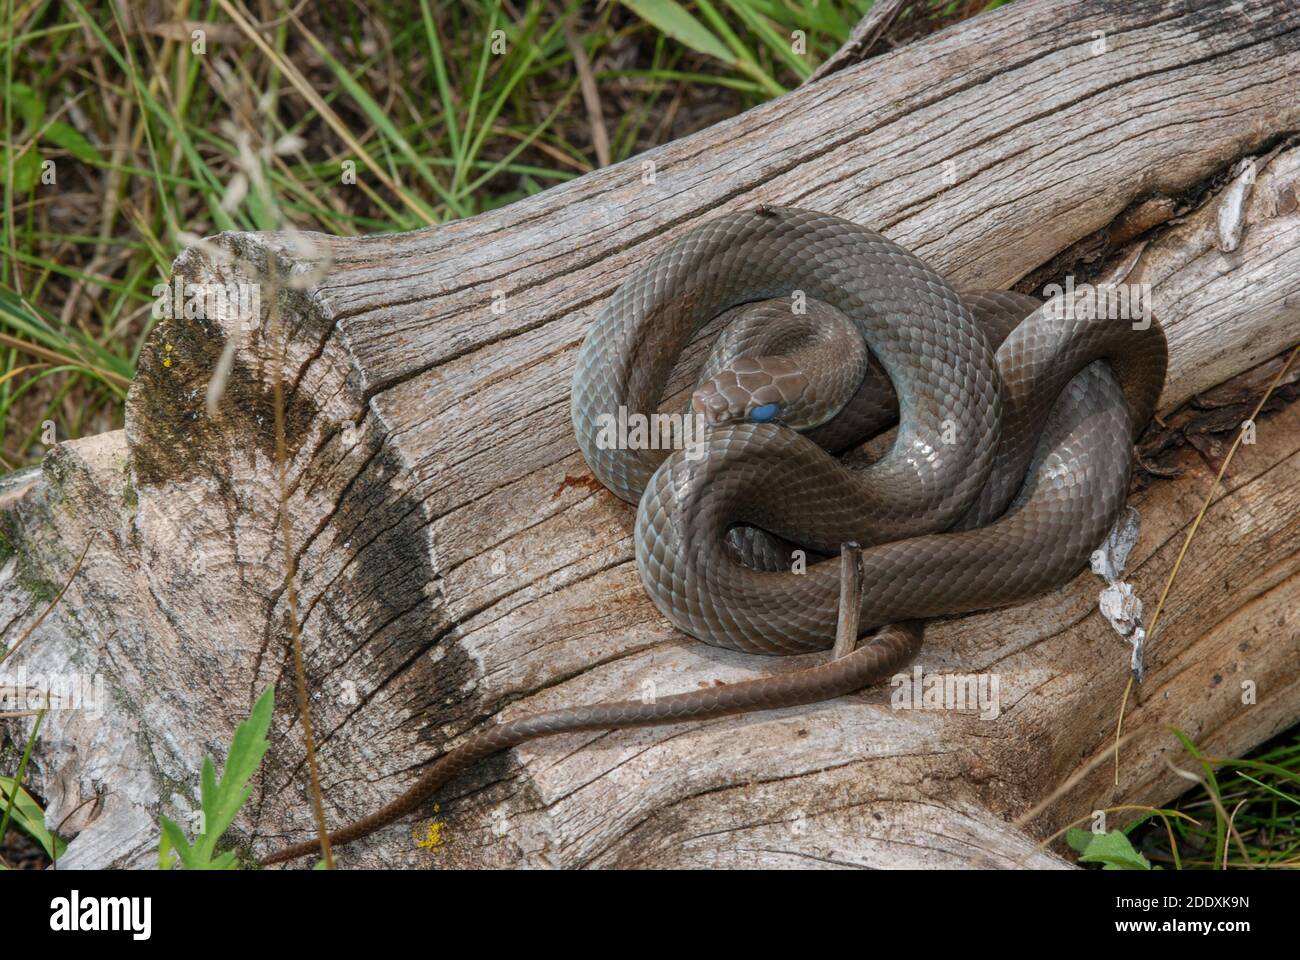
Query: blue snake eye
[{"x": 766, "y": 412}]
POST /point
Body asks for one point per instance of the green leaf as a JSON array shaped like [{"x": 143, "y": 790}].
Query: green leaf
[
  {"x": 671, "y": 18},
  {"x": 165, "y": 849},
  {"x": 29, "y": 816},
  {"x": 70, "y": 139},
  {"x": 1112, "y": 849},
  {"x": 173, "y": 839},
  {"x": 27, "y": 105},
  {"x": 221, "y": 801},
  {"x": 1079, "y": 839},
  {"x": 27, "y": 170}
]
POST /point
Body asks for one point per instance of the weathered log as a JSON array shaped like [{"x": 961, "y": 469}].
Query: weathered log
[{"x": 457, "y": 561}]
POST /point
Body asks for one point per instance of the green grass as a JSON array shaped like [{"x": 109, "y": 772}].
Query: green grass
[
  {"x": 152, "y": 142},
  {"x": 1242, "y": 814},
  {"x": 1246, "y": 811}
]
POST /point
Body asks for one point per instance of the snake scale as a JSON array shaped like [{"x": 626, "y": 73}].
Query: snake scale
[{"x": 1009, "y": 466}]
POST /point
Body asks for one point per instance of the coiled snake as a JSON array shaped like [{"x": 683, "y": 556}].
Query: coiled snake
[{"x": 1010, "y": 463}]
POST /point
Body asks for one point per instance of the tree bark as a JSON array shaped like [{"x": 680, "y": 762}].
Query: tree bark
[{"x": 457, "y": 561}]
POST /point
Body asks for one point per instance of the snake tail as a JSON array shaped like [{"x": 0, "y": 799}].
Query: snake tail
[{"x": 887, "y": 652}]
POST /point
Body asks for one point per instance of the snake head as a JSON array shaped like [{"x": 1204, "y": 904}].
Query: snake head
[{"x": 755, "y": 389}]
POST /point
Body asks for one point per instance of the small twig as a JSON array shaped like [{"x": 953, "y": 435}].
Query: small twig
[
  {"x": 291, "y": 570},
  {"x": 1218, "y": 808},
  {"x": 57, "y": 597},
  {"x": 38, "y": 351},
  {"x": 1232, "y": 827},
  {"x": 1029, "y": 815},
  {"x": 58, "y": 828},
  {"x": 851, "y": 577},
  {"x": 590, "y": 95},
  {"x": 18, "y": 371},
  {"x": 1119, "y": 727}
]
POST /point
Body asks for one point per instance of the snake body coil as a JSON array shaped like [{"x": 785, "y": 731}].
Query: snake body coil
[{"x": 1010, "y": 463}]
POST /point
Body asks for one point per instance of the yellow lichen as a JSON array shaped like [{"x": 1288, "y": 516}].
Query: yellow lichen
[{"x": 432, "y": 837}]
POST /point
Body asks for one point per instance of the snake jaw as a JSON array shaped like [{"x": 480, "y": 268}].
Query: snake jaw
[
  {"x": 760, "y": 389},
  {"x": 713, "y": 405},
  {"x": 721, "y": 400}
]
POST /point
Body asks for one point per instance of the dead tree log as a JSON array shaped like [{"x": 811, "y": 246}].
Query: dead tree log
[{"x": 457, "y": 562}]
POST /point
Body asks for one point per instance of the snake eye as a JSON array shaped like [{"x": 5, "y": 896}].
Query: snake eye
[{"x": 763, "y": 414}]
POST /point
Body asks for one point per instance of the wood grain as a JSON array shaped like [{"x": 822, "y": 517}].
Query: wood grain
[{"x": 458, "y": 563}]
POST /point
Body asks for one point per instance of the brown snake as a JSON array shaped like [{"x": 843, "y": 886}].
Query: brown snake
[{"x": 1007, "y": 470}]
